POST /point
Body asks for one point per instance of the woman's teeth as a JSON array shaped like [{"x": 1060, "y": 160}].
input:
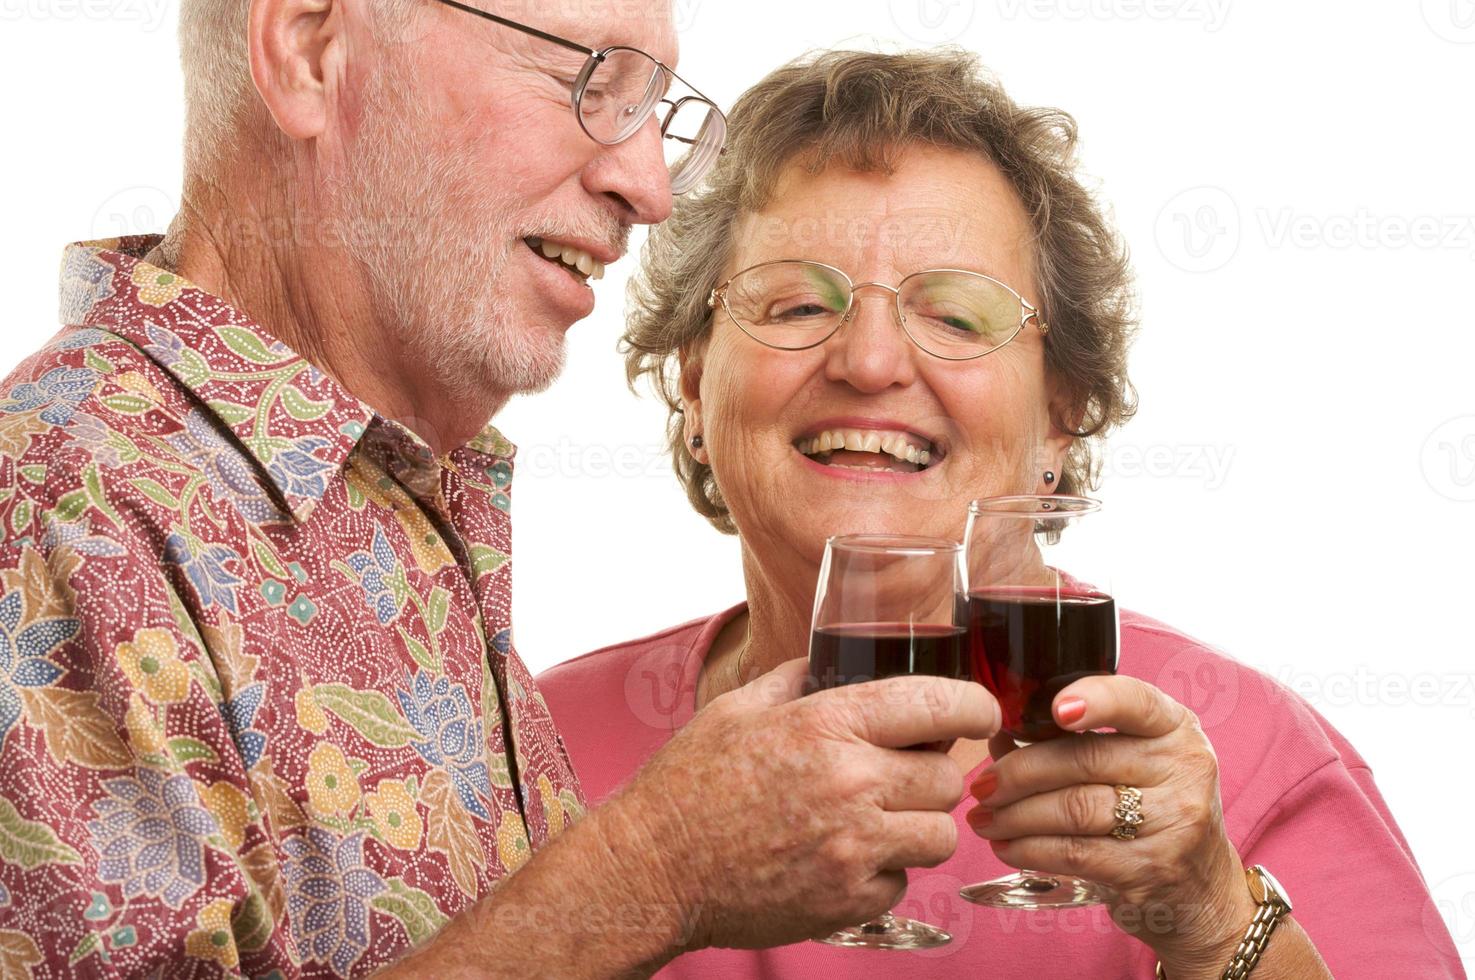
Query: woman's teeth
[
  {"x": 897, "y": 445},
  {"x": 577, "y": 259}
]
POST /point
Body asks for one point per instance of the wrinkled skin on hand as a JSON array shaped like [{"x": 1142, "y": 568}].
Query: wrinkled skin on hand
[
  {"x": 774, "y": 818},
  {"x": 1049, "y": 807}
]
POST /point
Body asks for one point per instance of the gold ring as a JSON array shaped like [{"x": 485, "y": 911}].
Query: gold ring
[{"x": 1128, "y": 812}]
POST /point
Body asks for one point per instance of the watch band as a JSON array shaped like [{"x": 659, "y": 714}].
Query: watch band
[{"x": 1247, "y": 955}]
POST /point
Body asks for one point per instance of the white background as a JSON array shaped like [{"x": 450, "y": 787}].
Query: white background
[{"x": 1294, "y": 180}]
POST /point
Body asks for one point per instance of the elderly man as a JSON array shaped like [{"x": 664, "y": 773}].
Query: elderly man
[{"x": 259, "y": 706}]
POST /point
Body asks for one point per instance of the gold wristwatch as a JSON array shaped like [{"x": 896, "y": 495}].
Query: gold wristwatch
[{"x": 1274, "y": 906}]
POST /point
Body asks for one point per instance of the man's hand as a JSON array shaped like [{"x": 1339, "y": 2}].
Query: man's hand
[
  {"x": 770, "y": 818},
  {"x": 775, "y": 818}
]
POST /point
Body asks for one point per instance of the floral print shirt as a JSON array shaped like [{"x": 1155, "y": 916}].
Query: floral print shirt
[{"x": 259, "y": 707}]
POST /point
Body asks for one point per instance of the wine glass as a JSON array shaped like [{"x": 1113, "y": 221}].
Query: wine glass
[
  {"x": 1033, "y": 629},
  {"x": 888, "y": 605}
]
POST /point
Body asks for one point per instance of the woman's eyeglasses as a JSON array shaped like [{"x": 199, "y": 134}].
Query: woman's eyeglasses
[
  {"x": 619, "y": 88},
  {"x": 795, "y": 304}
]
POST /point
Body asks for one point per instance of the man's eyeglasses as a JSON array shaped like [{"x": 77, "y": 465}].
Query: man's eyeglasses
[
  {"x": 795, "y": 304},
  {"x": 619, "y": 88}
]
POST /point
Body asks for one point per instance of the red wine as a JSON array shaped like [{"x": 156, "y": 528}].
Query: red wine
[
  {"x": 1029, "y": 644},
  {"x": 856, "y": 652}
]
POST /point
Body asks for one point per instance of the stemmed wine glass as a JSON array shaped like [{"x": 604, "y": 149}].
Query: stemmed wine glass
[
  {"x": 1033, "y": 629},
  {"x": 888, "y": 605}
]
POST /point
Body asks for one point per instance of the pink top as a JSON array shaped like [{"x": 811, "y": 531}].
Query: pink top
[{"x": 1297, "y": 799}]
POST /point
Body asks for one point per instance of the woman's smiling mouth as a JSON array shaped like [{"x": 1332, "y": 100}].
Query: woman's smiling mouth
[{"x": 877, "y": 450}]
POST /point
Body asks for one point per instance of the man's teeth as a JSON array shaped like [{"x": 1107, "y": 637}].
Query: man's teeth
[
  {"x": 574, "y": 258},
  {"x": 898, "y": 445}
]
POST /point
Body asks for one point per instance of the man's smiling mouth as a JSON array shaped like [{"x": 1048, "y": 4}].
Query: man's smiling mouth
[
  {"x": 881, "y": 450},
  {"x": 577, "y": 262}
]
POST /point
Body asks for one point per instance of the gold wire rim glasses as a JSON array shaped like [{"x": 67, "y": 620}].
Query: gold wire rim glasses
[{"x": 1028, "y": 311}]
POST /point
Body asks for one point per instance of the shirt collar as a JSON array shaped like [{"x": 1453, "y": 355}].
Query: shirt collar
[{"x": 295, "y": 421}]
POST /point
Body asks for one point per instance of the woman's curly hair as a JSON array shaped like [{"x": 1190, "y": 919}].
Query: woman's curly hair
[{"x": 862, "y": 110}]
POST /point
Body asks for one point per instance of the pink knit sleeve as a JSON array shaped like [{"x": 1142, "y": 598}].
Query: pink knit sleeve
[{"x": 1366, "y": 905}]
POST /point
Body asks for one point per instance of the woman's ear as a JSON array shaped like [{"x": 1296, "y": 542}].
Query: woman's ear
[
  {"x": 691, "y": 360},
  {"x": 1065, "y": 415}
]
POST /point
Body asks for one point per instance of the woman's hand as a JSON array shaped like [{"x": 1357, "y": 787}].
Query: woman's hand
[{"x": 1049, "y": 807}]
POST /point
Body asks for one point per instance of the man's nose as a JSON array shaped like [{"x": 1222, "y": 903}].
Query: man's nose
[{"x": 635, "y": 174}]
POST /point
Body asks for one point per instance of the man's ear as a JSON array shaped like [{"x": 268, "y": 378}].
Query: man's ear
[
  {"x": 294, "y": 49},
  {"x": 691, "y": 360}
]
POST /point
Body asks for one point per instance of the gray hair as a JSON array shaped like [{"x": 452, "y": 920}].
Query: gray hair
[
  {"x": 863, "y": 109},
  {"x": 218, "y": 91}
]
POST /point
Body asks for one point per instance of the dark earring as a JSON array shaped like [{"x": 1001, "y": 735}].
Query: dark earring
[
  {"x": 1049, "y": 476},
  {"x": 696, "y": 442}
]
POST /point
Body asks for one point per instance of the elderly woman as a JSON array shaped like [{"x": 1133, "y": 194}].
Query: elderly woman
[{"x": 845, "y": 175}]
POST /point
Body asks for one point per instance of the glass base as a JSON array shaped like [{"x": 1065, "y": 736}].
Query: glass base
[
  {"x": 890, "y": 932},
  {"x": 1037, "y": 890}
]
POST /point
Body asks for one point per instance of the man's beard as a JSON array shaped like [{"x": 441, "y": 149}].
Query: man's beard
[{"x": 436, "y": 244}]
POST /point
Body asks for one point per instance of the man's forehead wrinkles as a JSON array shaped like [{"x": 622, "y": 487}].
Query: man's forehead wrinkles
[{"x": 602, "y": 23}]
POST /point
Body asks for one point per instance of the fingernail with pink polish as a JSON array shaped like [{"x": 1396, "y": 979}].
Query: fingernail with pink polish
[
  {"x": 1070, "y": 710},
  {"x": 983, "y": 787}
]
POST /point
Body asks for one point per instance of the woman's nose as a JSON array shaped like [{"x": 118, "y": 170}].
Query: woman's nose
[{"x": 870, "y": 352}]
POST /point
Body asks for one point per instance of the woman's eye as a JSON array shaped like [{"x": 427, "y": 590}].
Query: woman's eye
[
  {"x": 797, "y": 311},
  {"x": 956, "y": 322}
]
